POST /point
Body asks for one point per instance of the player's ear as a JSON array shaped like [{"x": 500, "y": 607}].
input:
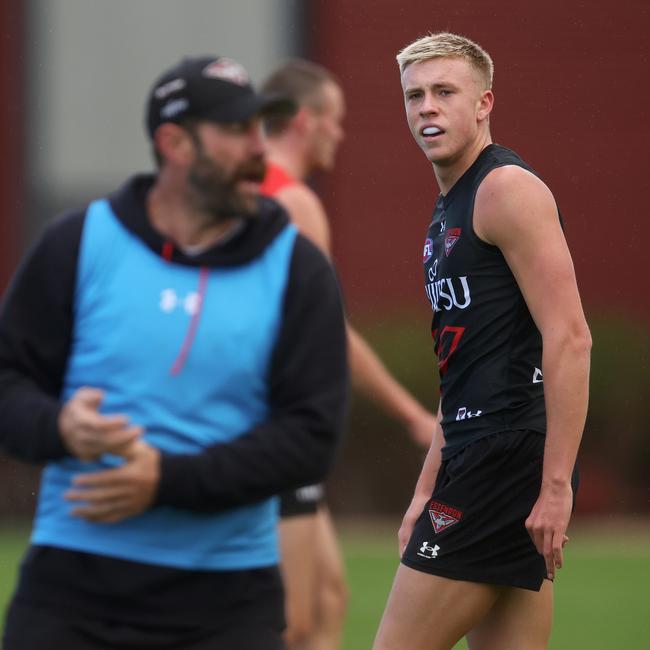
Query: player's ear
[
  {"x": 486, "y": 102},
  {"x": 174, "y": 143},
  {"x": 302, "y": 119}
]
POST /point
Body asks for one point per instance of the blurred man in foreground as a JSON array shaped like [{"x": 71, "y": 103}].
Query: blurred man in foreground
[
  {"x": 175, "y": 353},
  {"x": 299, "y": 145}
]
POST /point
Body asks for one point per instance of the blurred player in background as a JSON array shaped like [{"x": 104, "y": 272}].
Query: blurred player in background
[
  {"x": 299, "y": 145},
  {"x": 175, "y": 353},
  {"x": 488, "y": 520}
]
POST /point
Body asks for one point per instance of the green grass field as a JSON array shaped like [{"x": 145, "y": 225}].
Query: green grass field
[{"x": 602, "y": 594}]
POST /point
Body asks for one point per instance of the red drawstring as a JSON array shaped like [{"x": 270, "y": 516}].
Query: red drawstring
[
  {"x": 167, "y": 251},
  {"x": 194, "y": 323}
]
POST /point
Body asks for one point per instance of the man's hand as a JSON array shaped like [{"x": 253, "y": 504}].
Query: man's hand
[
  {"x": 408, "y": 522},
  {"x": 115, "y": 494},
  {"x": 86, "y": 433},
  {"x": 548, "y": 522}
]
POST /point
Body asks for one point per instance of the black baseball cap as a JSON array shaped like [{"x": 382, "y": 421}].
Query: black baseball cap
[{"x": 211, "y": 88}]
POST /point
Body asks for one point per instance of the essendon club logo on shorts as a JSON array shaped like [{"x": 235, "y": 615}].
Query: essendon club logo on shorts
[
  {"x": 451, "y": 237},
  {"x": 443, "y": 516}
]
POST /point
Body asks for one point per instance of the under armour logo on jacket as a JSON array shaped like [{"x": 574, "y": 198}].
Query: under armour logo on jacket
[{"x": 170, "y": 300}]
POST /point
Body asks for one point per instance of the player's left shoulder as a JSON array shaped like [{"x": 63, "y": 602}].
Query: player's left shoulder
[
  {"x": 511, "y": 200},
  {"x": 509, "y": 184}
]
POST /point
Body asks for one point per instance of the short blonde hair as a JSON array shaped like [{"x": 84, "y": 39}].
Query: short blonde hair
[{"x": 446, "y": 44}]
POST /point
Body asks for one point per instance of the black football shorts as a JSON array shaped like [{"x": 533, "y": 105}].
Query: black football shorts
[
  {"x": 303, "y": 501},
  {"x": 30, "y": 627},
  {"x": 473, "y": 527}
]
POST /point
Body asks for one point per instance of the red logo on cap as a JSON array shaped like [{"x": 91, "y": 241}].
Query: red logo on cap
[{"x": 227, "y": 70}]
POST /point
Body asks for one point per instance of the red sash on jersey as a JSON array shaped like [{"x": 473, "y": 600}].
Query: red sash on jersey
[{"x": 275, "y": 180}]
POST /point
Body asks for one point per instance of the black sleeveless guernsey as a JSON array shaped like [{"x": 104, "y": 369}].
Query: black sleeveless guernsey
[{"x": 488, "y": 347}]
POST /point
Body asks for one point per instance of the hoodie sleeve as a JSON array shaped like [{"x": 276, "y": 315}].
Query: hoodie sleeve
[
  {"x": 36, "y": 318},
  {"x": 309, "y": 387}
]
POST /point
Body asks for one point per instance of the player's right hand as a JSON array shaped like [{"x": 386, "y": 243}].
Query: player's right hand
[
  {"x": 408, "y": 522},
  {"x": 86, "y": 433},
  {"x": 548, "y": 521}
]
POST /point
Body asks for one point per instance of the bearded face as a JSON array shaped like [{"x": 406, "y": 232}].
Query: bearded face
[{"x": 223, "y": 194}]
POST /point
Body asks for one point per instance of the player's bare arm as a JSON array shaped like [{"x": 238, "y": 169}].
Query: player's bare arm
[
  {"x": 371, "y": 377},
  {"x": 424, "y": 485},
  {"x": 516, "y": 212},
  {"x": 307, "y": 214},
  {"x": 369, "y": 374}
]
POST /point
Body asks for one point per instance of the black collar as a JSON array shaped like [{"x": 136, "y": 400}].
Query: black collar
[{"x": 129, "y": 205}]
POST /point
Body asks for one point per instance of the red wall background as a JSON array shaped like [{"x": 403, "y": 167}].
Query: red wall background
[
  {"x": 12, "y": 106},
  {"x": 572, "y": 97}
]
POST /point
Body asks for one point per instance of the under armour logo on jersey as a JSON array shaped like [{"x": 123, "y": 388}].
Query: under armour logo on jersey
[
  {"x": 451, "y": 237},
  {"x": 465, "y": 413},
  {"x": 537, "y": 376},
  {"x": 170, "y": 300},
  {"x": 427, "y": 551}
]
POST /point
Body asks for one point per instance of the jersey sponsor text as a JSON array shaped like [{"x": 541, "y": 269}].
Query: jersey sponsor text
[{"x": 444, "y": 293}]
